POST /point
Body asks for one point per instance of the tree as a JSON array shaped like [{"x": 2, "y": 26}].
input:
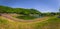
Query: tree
[
  {"x": 34, "y": 11},
  {"x": 4, "y": 9},
  {"x": 23, "y": 11}
]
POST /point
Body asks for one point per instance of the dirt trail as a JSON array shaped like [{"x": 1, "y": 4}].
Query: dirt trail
[{"x": 21, "y": 20}]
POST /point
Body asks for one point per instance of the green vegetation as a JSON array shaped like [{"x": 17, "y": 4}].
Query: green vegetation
[
  {"x": 26, "y": 17},
  {"x": 3, "y": 21},
  {"x": 51, "y": 23},
  {"x": 27, "y": 13},
  {"x": 23, "y": 11}
]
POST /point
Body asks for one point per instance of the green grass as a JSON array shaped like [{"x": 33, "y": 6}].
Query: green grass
[
  {"x": 3, "y": 21},
  {"x": 26, "y": 17},
  {"x": 52, "y": 23}
]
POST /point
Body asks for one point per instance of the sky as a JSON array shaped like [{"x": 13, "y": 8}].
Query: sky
[{"x": 40, "y": 5}]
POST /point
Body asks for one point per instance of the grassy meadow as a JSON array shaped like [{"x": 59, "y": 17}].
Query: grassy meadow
[{"x": 51, "y": 23}]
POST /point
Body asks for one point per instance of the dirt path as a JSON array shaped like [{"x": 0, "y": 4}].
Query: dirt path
[{"x": 21, "y": 20}]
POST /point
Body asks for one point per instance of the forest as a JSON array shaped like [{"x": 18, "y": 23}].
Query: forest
[
  {"x": 6, "y": 9},
  {"x": 25, "y": 11}
]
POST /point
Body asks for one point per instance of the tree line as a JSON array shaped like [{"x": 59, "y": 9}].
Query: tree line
[
  {"x": 6, "y": 9},
  {"x": 23, "y": 11}
]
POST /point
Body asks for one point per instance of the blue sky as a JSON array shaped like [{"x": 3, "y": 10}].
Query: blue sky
[{"x": 41, "y": 5}]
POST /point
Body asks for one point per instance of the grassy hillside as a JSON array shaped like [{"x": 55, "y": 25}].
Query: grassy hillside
[{"x": 51, "y": 23}]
